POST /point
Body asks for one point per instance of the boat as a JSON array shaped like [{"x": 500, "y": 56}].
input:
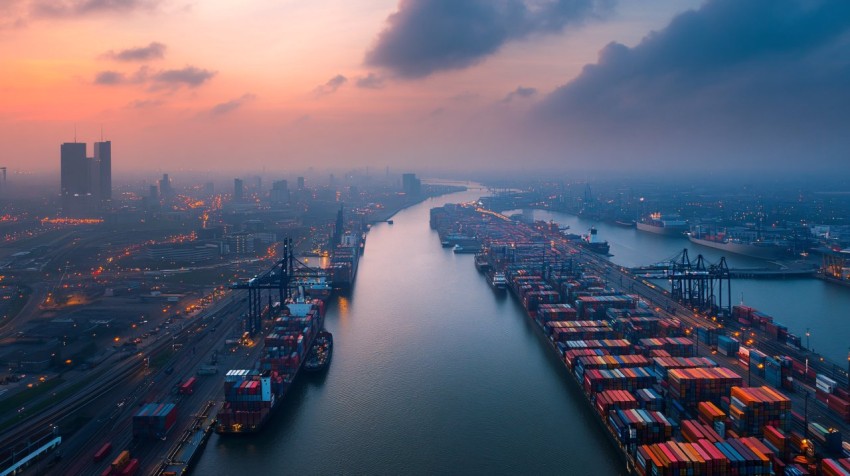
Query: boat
[
  {"x": 481, "y": 263},
  {"x": 315, "y": 287},
  {"x": 320, "y": 353},
  {"x": 390, "y": 221},
  {"x": 662, "y": 225},
  {"x": 458, "y": 249},
  {"x": 252, "y": 395},
  {"x": 346, "y": 256},
  {"x": 756, "y": 247},
  {"x": 498, "y": 281},
  {"x": 592, "y": 242}
]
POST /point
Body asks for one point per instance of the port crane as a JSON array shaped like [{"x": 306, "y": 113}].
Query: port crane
[{"x": 277, "y": 279}]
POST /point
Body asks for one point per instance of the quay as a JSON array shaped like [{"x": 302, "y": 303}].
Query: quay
[{"x": 680, "y": 389}]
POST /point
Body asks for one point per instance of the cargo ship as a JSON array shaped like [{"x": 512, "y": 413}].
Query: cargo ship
[
  {"x": 346, "y": 256},
  {"x": 752, "y": 246},
  {"x": 656, "y": 223},
  {"x": 320, "y": 353},
  {"x": 317, "y": 287},
  {"x": 592, "y": 242},
  {"x": 498, "y": 281},
  {"x": 252, "y": 395}
]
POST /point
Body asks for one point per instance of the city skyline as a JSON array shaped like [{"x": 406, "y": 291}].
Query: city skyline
[{"x": 584, "y": 84}]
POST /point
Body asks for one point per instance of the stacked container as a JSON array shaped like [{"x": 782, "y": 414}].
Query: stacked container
[
  {"x": 614, "y": 400},
  {"x": 154, "y": 420},
  {"x": 691, "y": 386},
  {"x": 597, "y": 380},
  {"x": 640, "y": 427},
  {"x": 751, "y": 409}
]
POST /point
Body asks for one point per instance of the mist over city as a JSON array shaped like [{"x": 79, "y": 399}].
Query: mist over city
[{"x": 424, "y": 237}]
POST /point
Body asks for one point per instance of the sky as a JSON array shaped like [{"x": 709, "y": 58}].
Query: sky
[{"x": 429, "y": 85}]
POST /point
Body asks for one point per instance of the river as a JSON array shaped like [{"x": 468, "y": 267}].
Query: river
[
  {"x": 432, "y": 373},
  {"x": 804, "y": 303}
]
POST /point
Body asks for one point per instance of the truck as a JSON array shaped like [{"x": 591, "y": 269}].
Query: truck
[
  {"x": 188, "y": 386},
  {"x": 120, "y": 461},
  {"x": 103, "y": 451},
  {"x": 207, "y": 370}
]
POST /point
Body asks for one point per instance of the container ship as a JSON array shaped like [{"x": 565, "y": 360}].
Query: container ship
[
  {"x": 592, "y": 242},
  {"x": 344, "y": 262},
  {"x": 656, "y": 223},
  {"x": 251, "y": 395},
  {"x": 754, "y": 247}
]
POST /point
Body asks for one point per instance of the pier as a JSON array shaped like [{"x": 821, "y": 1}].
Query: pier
[{"x": 582, "y": 301}]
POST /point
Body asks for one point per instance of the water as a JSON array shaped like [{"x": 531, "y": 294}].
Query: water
[
  {"x": 431, "y": 373},
  {"x": 800, "y": 304}
]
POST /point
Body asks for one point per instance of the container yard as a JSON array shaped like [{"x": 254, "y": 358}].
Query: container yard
[{"x": 678, "y": 391}]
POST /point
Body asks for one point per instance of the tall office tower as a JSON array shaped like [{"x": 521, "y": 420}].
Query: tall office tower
[
  {"x": 75, "y": 179},
  {"x": 164, "y": 187},
  {"x": 153, "y": 194},
  {"x": 238, "y": 189},
  {"x": 410, "y": 184},
  {"x": 300, "y": 183},
  {"x": 279, "y": 193},
  {"x": 103, "y": 159}
]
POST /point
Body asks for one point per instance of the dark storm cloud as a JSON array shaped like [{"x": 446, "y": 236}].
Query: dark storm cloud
[
  {"x": 370, "y": 81},
  {"x": 73, "y": 8},
  {"x": 520, "y": 92},
  {"x": 230, "y": 106},
  {"x": 152, "y": 51},
  {"x": 426, "y": 36},
  {"x": 733, "y": 72},
  {"x": 330, "y": 86},
  {"x": 189, "y": 76}
]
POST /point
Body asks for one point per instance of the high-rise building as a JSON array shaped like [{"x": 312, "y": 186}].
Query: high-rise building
[
  {"x": 300, "y": 183},
  {"x": 103, "y": 159},
  {"x": 238, "y": 189},
  {"x": 279, "y": 193},
  {"x": 75, "y": 179},
  {"x": 164, "y": 187},
  {"x": 410, "y": 184}
]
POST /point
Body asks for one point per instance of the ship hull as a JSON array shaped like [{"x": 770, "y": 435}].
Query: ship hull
[
  {"x": 661, "y": 230},
  {"x": 766, "y": 252}
]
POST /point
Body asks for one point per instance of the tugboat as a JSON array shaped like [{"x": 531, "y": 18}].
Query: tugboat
[
  {"x": 320, "y": 354},
  {"x": 592, "y": 242}
]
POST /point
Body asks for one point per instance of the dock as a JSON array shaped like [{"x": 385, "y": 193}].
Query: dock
[
  {"x": 717, "y": 387},
  {"x": 191, "y": 443}
]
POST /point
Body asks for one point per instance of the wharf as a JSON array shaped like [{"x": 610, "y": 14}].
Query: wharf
[
  {"x": 543, "y": 268},
  {"x": 188, "y": 448}
]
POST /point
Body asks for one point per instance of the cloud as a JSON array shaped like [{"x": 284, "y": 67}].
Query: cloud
[
  {"x": 109, "y": 78},
  {"x": 75, "y": 8},
  {"x": 521, "y": 93},
  {"x": 766, "y": 72},
  {"x": 144, "y": 104},
  {"x": 143, "y": 53},
  {"x": 232, "y": 105},
  {"x": 370, "y": 81},
  {"x": 330, "y": 86},
  {"x": 189, "y": 76},
  {"x": 427, "y": 36}
]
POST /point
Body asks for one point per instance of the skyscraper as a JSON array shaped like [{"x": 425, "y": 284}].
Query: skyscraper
[
  {"x": 85, "y": 182},
  {"x": 103, "y": 159},
  {"x": 238, "y": 189},
  {"x": 410, "y": 184},
  {"x": 75, "y": 178},
  {"x": 164, "y": 187}
]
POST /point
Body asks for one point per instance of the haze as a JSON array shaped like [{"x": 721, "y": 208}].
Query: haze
[{"x": 442, "y": 84}]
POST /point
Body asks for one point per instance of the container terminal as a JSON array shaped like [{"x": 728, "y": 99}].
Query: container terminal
[{"x": 682, "y": 382}]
